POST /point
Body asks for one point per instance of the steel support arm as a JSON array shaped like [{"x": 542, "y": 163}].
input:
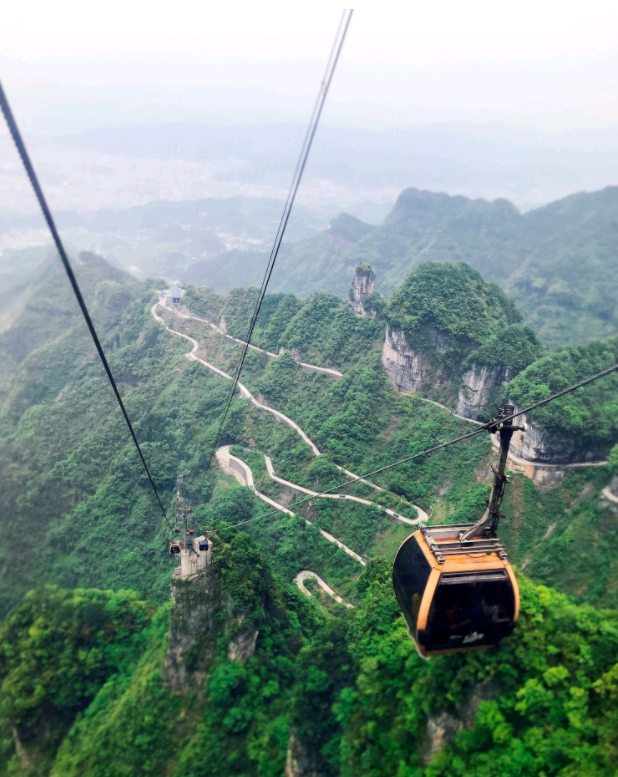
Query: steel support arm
[{"x": 488, "y": 524}]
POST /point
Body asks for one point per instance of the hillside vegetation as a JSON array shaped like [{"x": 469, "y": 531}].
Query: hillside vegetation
[
  {"x": 70, "y": 476},
  {"x": 343, "y": 694},
  {"x": 321, "y": 328},
  {"x": 453, "y": 299},
  {"x": 589, "y": 415}
]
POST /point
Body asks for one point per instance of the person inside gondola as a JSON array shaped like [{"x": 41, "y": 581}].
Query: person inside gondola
[{"x": 456, "y": 615}]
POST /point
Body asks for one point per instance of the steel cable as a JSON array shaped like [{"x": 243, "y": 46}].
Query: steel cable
[
  {"x": 300, "y": 167},
  {"x": 25, "y": 158}
]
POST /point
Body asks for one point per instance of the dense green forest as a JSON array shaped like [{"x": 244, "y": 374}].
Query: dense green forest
[
  {"x": 589, "y": 415},
  {"x": 321, "y": 328},
  {"x": 103, "y": 674},
  {"x": 341, "y": 693},
  {"x": 457, "y": 320},
  {"x": 557, "y": 262}
]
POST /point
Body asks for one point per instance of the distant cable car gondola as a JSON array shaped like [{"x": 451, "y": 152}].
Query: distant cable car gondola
[
  {"x": 454, "y": 584},
  {"x": 176, "y": 529},
  {"x": 174, "y": 547},
  {"x": 203, "y": 545}
]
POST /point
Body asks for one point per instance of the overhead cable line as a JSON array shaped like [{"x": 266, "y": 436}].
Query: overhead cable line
[
  {"x": 344, "y": 23},
  {"x": 485, "y": 427},
  {"x": 25, "y": 158}
]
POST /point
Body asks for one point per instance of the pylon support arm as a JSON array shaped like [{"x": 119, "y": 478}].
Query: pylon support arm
[{"x": 488, "y": 524}]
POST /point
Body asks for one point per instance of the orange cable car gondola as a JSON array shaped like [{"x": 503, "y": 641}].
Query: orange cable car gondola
[
  {"x": 454, "y": 584},
  {"x": 174, "y": 547}
]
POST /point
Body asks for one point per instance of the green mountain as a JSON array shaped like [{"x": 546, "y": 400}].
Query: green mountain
[
  {"x": 70, "y": 475},
  {"x": 244, "y": 673},
  {"x": 565, "y": 285},
  {"x": 587, "y": 418},
  {"x": 557, "y": 262},
  {"x": 425, "y": 226},
  {"x": 446, "y": 311}
]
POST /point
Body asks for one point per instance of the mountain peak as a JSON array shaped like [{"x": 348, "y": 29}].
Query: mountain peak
[
  {"x": 349, "y": 228},
  {"x": 437, "y": 207}
]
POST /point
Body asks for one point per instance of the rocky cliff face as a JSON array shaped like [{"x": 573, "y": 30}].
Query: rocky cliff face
[
  {"x": 407, "y": 369},
  {"x": 199, "y": 616},
  {"x": 539, "y": 445},
  {"x": 413, "y": 371},
  {"x": 33, "y": 744},
  {"x": 362, "y": 288},
  {"x": 479, "y": 385},
  {"x": 410, "y": 370},
  {"x": 193, "y": 619},
  {"x": 242, "y": 646},
  {"x": 442, "y": 728},
  {"x": 299, "y": 761}
]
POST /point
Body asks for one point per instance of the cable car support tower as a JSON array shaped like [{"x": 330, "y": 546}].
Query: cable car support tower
[
  {"x": 183, "y": 513},
  {"x": 195, "y": 552}
]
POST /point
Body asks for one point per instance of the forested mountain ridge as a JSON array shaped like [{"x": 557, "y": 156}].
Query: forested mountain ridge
[
  {"x": 45, "y": 309},
  {"x": 327, "y": 691},
  {"x": 565, "y": 285},
  {"x": 558, "y": 262}
]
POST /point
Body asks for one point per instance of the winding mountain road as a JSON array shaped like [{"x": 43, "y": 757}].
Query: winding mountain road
[
  {"x": 242, "y": 472},
  {"x": 335, "y": 374},
  {"x": 307, "y": 574},
  {"x": 448, "y": 410},
  {"x": 608, "y": 494},
  {"x": 244, "y": 475},
  {"x": 423, "y": 517},
  {"x": 192, "y": 355}
]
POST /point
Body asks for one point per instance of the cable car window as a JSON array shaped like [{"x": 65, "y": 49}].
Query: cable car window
[
  {"x": 473, "y": 612},
  {"x": 410, "y": 574}
]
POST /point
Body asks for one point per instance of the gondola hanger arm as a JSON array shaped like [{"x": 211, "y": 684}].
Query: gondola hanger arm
[{"x": 502, "y": 425}]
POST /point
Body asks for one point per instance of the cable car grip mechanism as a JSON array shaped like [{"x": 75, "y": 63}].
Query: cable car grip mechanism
[{"x": 505, "y": 429}]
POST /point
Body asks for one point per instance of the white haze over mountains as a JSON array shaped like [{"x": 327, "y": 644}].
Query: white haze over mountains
[
  {"x": 149, "y": 102},
  {"x": 127, "y": 166},
  {"x": 549, "y": 65}
]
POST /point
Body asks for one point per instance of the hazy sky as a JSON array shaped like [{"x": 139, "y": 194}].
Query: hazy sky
[{"x": 548, "y": 64}]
